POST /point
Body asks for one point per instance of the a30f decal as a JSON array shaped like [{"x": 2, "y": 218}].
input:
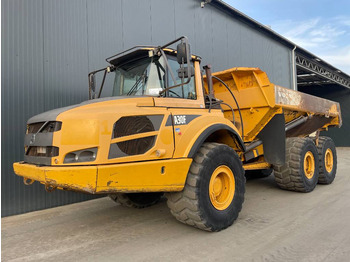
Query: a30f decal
[{"x": 180, "y": 120}]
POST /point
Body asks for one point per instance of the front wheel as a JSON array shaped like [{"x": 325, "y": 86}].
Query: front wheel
[{"x": 214, "y": 191}]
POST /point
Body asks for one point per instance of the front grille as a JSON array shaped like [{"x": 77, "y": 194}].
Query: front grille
[
  {"x": 42, "y": 151},
  {"x": 34, "y": 128},
  {"x": 49, "y": 127},
  {"x": 137, "y": 146},
  {"x": 132, "y": 125}
]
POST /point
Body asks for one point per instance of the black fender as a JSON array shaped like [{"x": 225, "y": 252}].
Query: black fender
[{"x": 210, "y": 130}]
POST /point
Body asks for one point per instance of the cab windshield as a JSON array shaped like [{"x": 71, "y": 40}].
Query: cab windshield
[{"x": 147, "y": 77}]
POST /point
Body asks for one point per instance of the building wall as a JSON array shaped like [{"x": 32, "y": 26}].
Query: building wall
[{"x": 48, "y": 48}]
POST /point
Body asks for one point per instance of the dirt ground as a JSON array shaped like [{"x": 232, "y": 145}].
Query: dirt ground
[{"x": 274, "y": 225}]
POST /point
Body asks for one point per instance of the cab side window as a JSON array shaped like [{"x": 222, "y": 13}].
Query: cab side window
[{"x": 187, "y": 91}]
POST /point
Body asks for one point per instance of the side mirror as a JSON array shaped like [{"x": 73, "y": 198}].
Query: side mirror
[
  {"x": 183, "y": 49},
  {"x": 92, "y": 82},
  {"x": 184, "y": 72}
]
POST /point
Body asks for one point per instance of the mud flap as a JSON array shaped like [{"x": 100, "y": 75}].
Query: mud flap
[{"x": 273, "y": 137}]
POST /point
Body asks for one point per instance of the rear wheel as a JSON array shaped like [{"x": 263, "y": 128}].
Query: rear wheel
[
  {"x": 327, "y": 160},
  {"x": 214, "y": 190},
  {"x": 137, "y": 200},
  {"x": 301, "y": 169}
]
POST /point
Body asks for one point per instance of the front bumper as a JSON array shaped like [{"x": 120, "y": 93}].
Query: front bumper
[{"x": 148, "y": 176}]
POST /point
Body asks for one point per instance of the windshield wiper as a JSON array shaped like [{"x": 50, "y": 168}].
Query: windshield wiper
[
  {"x": 160, "y": 67},
  {"x": 136, "y": 85}
]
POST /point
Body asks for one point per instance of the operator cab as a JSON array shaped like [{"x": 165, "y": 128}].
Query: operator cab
[
  {"x": 138, "y": 74},
  {"x": 150, "y": 71}
]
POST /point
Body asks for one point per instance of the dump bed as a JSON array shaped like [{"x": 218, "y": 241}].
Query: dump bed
[{"x": 259, "y": 101}]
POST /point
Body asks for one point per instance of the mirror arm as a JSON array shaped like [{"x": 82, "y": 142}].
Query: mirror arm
[
  {"x": 94, "y": 72},
  {"x": 107, "y": 69},
  {"x": 174, "y": 41},
  {"x": 182, "y": 84},
  {"x": 103, "y": 81},
  {"x": 90, "y": 89},
  {"x": 91, "y": 92},
  {"x": 183, "y": 39}
]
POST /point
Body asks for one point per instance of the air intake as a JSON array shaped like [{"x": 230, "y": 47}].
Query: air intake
[{"x": 132, "y": 125}]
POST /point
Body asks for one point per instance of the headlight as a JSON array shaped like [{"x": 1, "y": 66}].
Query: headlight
[{"x": 85, "y": 155}]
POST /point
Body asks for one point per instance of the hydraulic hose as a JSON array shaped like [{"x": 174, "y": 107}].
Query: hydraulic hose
[{"x": 239, "y": 110}]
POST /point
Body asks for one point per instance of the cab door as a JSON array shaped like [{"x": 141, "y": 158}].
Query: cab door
[{"x": 186, "y": 96}]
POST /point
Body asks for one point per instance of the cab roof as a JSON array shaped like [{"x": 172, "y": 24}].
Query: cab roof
[{"x": 138, "y": 52}]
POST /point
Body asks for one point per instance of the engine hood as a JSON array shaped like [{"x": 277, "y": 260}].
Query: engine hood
[
  {"x": 52, "y": 134},
  {"x": 110, "y": 103}
]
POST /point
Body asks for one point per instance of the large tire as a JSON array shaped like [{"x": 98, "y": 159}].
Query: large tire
[
  {"x": 214, "y": 190},
  {"x": 136, "y": 200},
  {"x": 327, "y": 160},
  {"x": 301, "y": 170}
]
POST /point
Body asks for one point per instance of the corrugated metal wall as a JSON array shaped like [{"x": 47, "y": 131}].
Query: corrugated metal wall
[
  {"x": 44, "y": 66},
  {"x": 49, "y": 46}
]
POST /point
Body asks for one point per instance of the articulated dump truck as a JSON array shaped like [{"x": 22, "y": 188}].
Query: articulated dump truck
[{"x": 162, "y": 127}]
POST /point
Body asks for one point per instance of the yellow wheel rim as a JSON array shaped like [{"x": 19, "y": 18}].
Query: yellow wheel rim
[
  {"x": 221, "y": 187},
  {"x": 328, "y": 160},
  {"x": 309, "y": 165}
]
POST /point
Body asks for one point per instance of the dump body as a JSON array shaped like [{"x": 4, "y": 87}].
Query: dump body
[{"x": 259, "y": 101}]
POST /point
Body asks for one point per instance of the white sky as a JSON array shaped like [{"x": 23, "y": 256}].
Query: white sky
[{"x": 319, "y": 26}]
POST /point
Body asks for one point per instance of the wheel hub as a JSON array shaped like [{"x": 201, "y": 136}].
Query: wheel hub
[
  {"x": 221, "y": 187},
  {"x": 217, "y": 186},
  {"x": 328, "y": 160},
  {"x": 309, "y": 165}
]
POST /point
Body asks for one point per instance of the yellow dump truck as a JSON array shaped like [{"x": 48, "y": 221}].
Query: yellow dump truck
[{"x": 161, "y": 126}]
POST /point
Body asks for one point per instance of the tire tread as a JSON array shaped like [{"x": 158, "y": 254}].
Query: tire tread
[
  {"x": 184, "y": 205},
  {"x": 323, "y": 178},
  {"x": 288, "y": 176}
]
